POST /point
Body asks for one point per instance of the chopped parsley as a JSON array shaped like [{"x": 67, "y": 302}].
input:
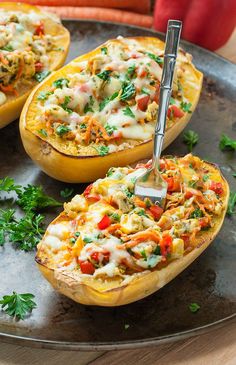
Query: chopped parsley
[
  {"x": 40, "y": 76},
  {"x": 205, "y": 178},
  {"x": 7, "y": 184},
  {"x": 60, "y": 83},
  {"x": 190, "y": 139},
  {"x": 192, "y": 184},
  {"x": 128, "y": 90},
  {"x": 18, "y": 305},
  {"x": 104, "y": 50},
  {"x": 226, "y": 143},
  {"x": 110, "y": 129},
  {"x": 7, "y": 48},
  {"x": 64, "y": 105},
  {"x": 172, "y": 101},
  {"x": 197, "y": 213},
  {"x": 115, "y": 217},
  {"x": 232, "y": 203},
  {"x": 145, "y": 91},
  {"x": 104, "y": 75},
  {"x": 83, "y": 126},
  {"x": 62, "y": 129},
  {"x": 6, "y": 218},
  {"x": 43, "y": 132},
  {"x": 157, "y": 59},
  {"x": 102, "y": 150},
  {"x": 144, "y": 255},
  {"x": 107, "y": 100},
  {"x": 87, "y": 240},
  {"x": 194, "y": 307},
  {"x": 186, "y": 107},
  {"x": 67, "y": 192},
  {"x": 89, "y": 106},
  {"x": 128, "y": 112},
  {"x": 131, "y": 71},
  {"x": 44, "y": 95},
  {"x": 128, "y": 193}
]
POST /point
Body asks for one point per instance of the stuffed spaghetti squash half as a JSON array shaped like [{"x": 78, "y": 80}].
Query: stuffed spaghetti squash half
[
  {"x": 32, "y": 43},
  {"x": 100, "y": 109},
  {"x": 109, "y": 247}
]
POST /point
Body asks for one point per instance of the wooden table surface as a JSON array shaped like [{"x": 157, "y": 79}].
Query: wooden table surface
[{"x": 218, "y": 347}]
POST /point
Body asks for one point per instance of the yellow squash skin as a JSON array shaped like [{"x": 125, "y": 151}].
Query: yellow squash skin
[
  {"x": 73, "y": 169},
  {"x": 85, "y": 290},
  {"x": 12, "y": 108}
]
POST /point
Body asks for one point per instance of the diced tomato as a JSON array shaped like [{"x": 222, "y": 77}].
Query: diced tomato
[
  {"x": 162, "y": 165},
  {"x": 143, "y": 102},
  {"x": 117, "y": 136},
  {"x": 204, "y": 222},
  {"x": 173, "y": 184},
  {"x": 87, "y": 267},
  {"x": 104, "y": 222},
  {"x": 165, "y": 245},
  {"x": 93, "y": 198},
  {"x": 88, "y": 190},
  {"x": 95, "y": 256},
  {"x": 39, "y": 29},
  {"x": 38, "y": 66},
  {"x": 156, "y": 211},
  {"x": 175, "y": 112},
  {"x": 189, "y": 192},
  {"x": 216, "y": 187},
  {"x": 142, "y": 74}
]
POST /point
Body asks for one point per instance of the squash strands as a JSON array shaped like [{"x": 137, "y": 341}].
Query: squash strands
[
  {"x": 33, "y": 43},
  {"x": 100, "y": 109},
  {"x": 111, "y": 248}
]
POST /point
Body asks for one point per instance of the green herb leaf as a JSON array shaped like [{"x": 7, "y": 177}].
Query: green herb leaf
[
  {"x": 231, "y": 205},
  {"x": 40, "y": 76},
  {"x": 43, "y": 132},
  {"x": 6, "y": 218},
  {"x": 67, "y": 192},
  {"x": 144, "y": 255},
  {"x": 60, "y": 83},
  {"x": 190, "y": 139},
  {"x": 234, "y": 175},
  {"x": 32, "y": 198},
  {"x": 197, "y": 213},
  {"x": 157, "y": 59},
  {"x": 89, "y": 105},
  {"x": 27, "y": 232},
  {"x": 44, "y": 95},
  {"x": 83, "y": 126},
  {"x": 192, "y": 184},
  {"x": 128, "y": 193},
  {"x": 87, "y": 240},
  {"x": 226, "y": 143},
  {"x": 104, "y": 75},
  {"x": 64, "y": 105},
  {"x": 144, "y": 90},
  {"x": 115, "y": 217},
  {"x": 107, "y": 100},
  {"x": 62, "y": 129},
  {"x": 186, "y": 107},
  {"x": 128, "y": 90},
  {"x": 102, "y": 150},
  {"x": 194, "y": 307},
  {"x": 172, "y": 101},
  {"x": 110, "y": 129},
  {"x": 7, "y": 184},
  {"x": 131, "y": 71},
  {"x": 7, "y": 48},
  {"x": 128, "y": 112},
  {"x": 205, "y": 178},
  {"x": 104, "y": 50},
  {"x": 18, "y": 305}
]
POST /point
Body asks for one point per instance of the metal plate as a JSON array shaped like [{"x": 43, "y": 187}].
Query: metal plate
[{"x": 60, "y": 323}]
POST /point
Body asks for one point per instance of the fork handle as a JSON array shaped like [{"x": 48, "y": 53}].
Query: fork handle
[{"x": 170, "y": 55}]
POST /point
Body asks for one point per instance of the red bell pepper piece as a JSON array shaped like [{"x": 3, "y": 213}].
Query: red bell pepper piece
[
  {"x": 175, "y": 112},
  {"x": 91, "y": 197},
  {"x": 173, "y": 184},
  {"x": 156, "y": 211},
  {"x": 87, "y": 267},
  {"x": 39, "y": 29},
  {"x": 104, "y": 222},
  {"x": 143, "y": 102},
  {"x": 165, "y": 245},
  {"x": 216, "y": 187},
  {"x": 208, "y": 23}
]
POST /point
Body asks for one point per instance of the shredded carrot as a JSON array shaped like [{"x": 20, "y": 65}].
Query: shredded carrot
[
  {"x": 140, "y": 203},
  {"x": 3, "y": 59},
  {"x": 94, "y": 128},
  {"x": 9, "y": 89}
]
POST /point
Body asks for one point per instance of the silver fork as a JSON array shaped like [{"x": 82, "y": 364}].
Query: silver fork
[{"x": 151, "y": 185}]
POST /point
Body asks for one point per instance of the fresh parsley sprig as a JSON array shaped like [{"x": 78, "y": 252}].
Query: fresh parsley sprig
[
  {"x": 227, "y": 143},
  {"x": 190, "y": 139},
  {"x": 6, "y": 218},
  {"x": 232, "y": 203},
  {"x": 7, "y": 184},
  {"x": 194, "y": 307},
  {"x": 33, "y": 198},
  {"x": 67, "y": 192},
  {"x": 18, "y": 305}
]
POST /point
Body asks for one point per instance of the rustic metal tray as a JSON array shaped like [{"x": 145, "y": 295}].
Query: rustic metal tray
[{"x": 60, "y": 323}]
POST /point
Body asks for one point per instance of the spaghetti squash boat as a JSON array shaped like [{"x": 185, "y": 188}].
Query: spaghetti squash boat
[
  {"x": 109, "y": 247},
  {"x": 100, "y": 109},
  {"x": 32, "y": 43}
]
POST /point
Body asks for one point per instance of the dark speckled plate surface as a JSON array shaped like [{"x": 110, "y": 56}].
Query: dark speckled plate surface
[{"x": 58, "y": 322}]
